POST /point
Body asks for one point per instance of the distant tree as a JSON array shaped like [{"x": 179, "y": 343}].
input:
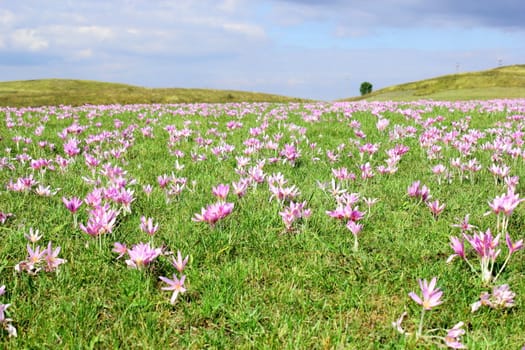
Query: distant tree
[{"x": 365, "y": 88}]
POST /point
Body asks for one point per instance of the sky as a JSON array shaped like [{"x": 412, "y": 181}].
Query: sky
[{"x": 302, "y": 48}]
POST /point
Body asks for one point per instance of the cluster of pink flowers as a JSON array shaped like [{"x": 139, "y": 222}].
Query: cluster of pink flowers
[
  {"x": 422, "y": 193},
  {"x": 101, "y": 220},
  {"x": 419, "y": 192},
  {"x": 176, "y": 284},
  {"x": 140, "y": 255},
  {"x": 500, "y": 298},
  {"x": 429, "y": 299},
  {"x": 39, "y": 258},
  {"x": 214, "y": 212},
  {"x": 294, "y": 212},
  {"x": 6, "y": 322}
]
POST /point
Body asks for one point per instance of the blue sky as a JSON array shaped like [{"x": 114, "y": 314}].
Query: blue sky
[{"x": 303, "y": 48}]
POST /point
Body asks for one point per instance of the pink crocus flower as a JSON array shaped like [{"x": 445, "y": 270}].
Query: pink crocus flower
[
  {"x": 513, "y": 247},
  {"x": 418, "y": 191},
  {"x": 354, "y": 227},
  {"x": 221, "y": 191},
  {"x": 214, "y": 212},
  {"x": 147, "y": 189},
  {"x": 346, "y": 213},
  {"x": 141, "y": 255},
  {"x": 464, "y": 225},
  {"x": 4, "y": 217},
  {"x": 459, "y": 248},
  {"x": 501, "y": 297},
  {"x": 120, "y": 249},
  {"x": 147, "y": 226},
  {"x": 240, "y": 187},
  {"x": 33, "y": 260},
  {"x": 71, "y": 147},
  {"x": 505, "y": 203},
  {"x": 101, "y": 220},
  {"x": 452, "y": 339},
  {"x": 180, "y": 263},
  {"x": 72, "y": 204},
  {"x": 382, "y": 124},
  {"x": 176, "y": 285},
  {"x": 431, "y": 296},
  {"x": 293, "y": 212},
  {"x": 397, "y": 323},
  {"x": 484, "y": 244},
  {"x": 290, "y": 153},
  {"x": 51, "y": 258},
  {"x": 436, "y": 208},
  {"x": 33, "y": 236}
]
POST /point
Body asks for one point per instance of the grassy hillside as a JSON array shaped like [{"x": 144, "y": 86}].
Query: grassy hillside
[
  {"x": 503, "y": 82},
  {"x": 80, "y": 92}
]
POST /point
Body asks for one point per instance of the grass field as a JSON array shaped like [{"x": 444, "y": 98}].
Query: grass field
[
  {"x": 502, "y": 82},
  {"x": 54, "y": 92},
  {"x": 280, "y": 259}
]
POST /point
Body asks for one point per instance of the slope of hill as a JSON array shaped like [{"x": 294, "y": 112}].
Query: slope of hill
[
  {"x": 80, "y": 92},
  {"x": 502, "y": 82}
]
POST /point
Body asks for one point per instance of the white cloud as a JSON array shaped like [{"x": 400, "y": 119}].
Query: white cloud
[
  {"x": 7, "y": 18},
  {"x": 83, "y": 54},
  {"x": 96, "y": 32},
  {"x": 249, "y": 30},
  {"x": 28, "y": 39}
]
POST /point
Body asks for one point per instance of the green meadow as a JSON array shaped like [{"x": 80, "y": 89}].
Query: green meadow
[{"x": 254, "y": 280}]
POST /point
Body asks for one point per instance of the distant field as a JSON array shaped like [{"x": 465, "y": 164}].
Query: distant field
[
  {"x": 54, "y": 92},
  {"x": 503, "y": 82}
]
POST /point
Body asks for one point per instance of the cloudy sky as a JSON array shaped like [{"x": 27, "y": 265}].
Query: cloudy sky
[{"x": 305, "y": 48}]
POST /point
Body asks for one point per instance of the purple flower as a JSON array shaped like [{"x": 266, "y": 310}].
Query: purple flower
[
  {"x": 513, "y": 247},
  {"x": 213, "y": 213},
  {"x": 436, "y": 208},
  {"x": 397, "y": 324},
  {"x": 33, "y": 236},
  {"x": 71, "y": 147},
  {"x": 141, "y": 255},
  {"x": 354, "y": 227},
  {"x": 146, "y": 225},
  {"x": 176, "y": 285},
  {"x": 459, "y": 248},
  {"x": 464, "y": 225},
  {"x": 221, "y": 191},
  {"x": 72, "y": 204},
  {"x": 452, "y": 338},
  {"x": 120, "y": 249},
  {"x": 52, "y": 259},
  {"x": 484, "y": 244},
  {"x": 501, "y": 297},
  {"x": 417, "y": 191},
  {"x": 506, "y": 203},
  {"x": 431, "y": 295},
  {"x": 4, "y": 217},
  {"x": 180, "y": 263},
  {"x": 100, "y": 221}
]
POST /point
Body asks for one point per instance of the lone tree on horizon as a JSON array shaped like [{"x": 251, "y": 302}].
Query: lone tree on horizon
[{"x": 365, "y": 88}]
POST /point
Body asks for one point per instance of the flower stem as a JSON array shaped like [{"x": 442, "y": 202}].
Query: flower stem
[
  {"x": 420, "y": 328},
  {"x": 356, "y": 244},
  {"x": 502, "y": 267}
]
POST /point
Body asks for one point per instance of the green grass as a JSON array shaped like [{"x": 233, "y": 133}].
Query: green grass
[
  {"x": 54, "y": 92},
  {"x": 502, "y": 82},
  {"x": 250, "y": 283}
]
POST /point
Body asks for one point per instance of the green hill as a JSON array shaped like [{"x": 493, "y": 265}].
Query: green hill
[
  {"x": 48, "y": 92},
  {"x": 502, "y": 82}
]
